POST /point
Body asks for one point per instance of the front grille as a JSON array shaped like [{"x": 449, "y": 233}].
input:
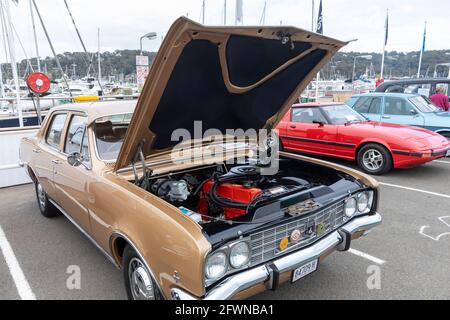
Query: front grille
[{"x": 266, "y": 245}]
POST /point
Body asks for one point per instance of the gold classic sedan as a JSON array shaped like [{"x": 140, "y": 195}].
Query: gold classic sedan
[{"x": 216, "y": 226}]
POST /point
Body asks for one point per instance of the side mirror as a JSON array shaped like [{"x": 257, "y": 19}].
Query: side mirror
[
  {"x": 75, "y": 159},
  {"x": 413, "y": 112}
]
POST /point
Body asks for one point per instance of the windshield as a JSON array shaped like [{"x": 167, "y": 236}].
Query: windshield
[
  {"x": 423, "y": 104},
  {"x": 342, "y": 114},
  {"x": 109, "y": 135}
]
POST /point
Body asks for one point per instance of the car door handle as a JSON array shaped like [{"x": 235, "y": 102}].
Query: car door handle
[
  {"x": 37, "y": 150},
  {"x": 386, "y": 117},
  {"x": 293, "y": 126},
  {"x": 56, "y": 161}
]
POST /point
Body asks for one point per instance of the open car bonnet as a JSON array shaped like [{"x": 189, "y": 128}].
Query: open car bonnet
[{"x": 227, "y": 78}]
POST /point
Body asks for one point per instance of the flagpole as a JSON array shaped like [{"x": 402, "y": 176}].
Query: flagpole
[
  {"x": 225, "y": 12},
  {"x": 239, "y": 12},
  {"x": 318, "y": 30},
  {"x": 386, "y": 26},
  {"x": 203, "y": 12},
  {"x": 422, "y": 51}
]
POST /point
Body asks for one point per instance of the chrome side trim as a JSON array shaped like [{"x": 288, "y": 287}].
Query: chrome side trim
[
  {"x": 107, "y": 255},
  {"x": 117, "y": 234},
  {"x": 242, "y": 281}
]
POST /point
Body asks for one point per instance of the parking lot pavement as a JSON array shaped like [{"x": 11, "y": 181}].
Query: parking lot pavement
[
  {"x": 46, "y": 248},
  {"x": 8, "y": 290},
  {"x": 413, "y": 241}
]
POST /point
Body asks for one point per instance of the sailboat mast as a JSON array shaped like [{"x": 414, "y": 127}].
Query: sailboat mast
[
  {"x": 6, "y": 15},
  {"x": 38, "y": 58},
  {"x": 58, "y": 63},
  {"x": 99, "y": 60},
  {"x": 263, "y": 16}
]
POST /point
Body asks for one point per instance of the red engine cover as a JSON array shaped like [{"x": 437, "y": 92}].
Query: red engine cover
[{"x": 234, "y": 192}]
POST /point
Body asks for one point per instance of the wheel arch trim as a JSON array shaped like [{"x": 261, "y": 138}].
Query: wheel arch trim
[
  {"x": 116, "y": 235},
  {"x": 443, "y": 131}
]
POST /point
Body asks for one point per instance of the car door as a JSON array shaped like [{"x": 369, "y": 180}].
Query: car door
[
  {"x": 310, "y": 132},
  {"x": 71, "y": 183},
  {"x": 47, "y": 151},
  {"x": 370, "y": 107},
  {"x": 401, "y": 111}
]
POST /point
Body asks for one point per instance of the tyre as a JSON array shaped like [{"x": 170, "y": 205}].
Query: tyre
[
  {"x": 46, "y": 208},
  {"x": 139, "y": 283},
  {"x": 375, "y": 159}
]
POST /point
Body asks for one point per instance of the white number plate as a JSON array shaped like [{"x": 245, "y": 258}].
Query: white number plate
[{"x": 305, "y": 270}]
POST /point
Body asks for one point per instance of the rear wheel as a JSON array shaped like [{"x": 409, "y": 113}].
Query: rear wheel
[
  {"x": 375, "y": 159},
  {"x": 139, "y": 283},
  {"x": 47, "y": 209}
]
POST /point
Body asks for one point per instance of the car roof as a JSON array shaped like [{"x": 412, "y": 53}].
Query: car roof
[
  {"x": 387, "y": 94},
  {"x": 97, "y": 110},
  {"x": 316, "y": 104}
]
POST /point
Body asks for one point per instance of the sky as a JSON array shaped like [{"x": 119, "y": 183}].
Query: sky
[{"x": 123, "y": 22}]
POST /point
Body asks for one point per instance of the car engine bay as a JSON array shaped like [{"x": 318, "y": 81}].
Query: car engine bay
[{"x": 224, "y": 195}]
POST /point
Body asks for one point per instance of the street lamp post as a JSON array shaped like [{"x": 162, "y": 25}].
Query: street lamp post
[
  {"x": 149, "y": 36},
  {"x": 142, "y": 62},
  {"x": 366, "y": 57}
]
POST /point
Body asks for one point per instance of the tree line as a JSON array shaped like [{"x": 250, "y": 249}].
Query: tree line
[{"x": 121, "y": 64}]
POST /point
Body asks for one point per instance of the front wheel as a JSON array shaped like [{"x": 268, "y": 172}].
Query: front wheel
[
  {"x": 139, "y": 283},
  {"x": 375, "y": 159}
]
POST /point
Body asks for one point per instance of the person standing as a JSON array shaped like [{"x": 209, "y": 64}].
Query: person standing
[
  {"x": 379, "y": 81},
  {"x": 440, "y": 99}
]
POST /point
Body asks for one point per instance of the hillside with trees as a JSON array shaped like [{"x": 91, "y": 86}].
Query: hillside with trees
[{"x": 121, "y": 64}]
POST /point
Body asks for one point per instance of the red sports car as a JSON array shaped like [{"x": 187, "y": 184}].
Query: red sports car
[{"x": 337, "y": 130}]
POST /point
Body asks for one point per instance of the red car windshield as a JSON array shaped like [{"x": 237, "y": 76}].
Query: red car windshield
[{"x": 342, "y": 114}]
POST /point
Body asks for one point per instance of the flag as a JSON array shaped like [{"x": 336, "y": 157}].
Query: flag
[
  {"x": 387, "y": 29},
  {"x": 424, "y": 38},
  {"x": 239, "y": 11},
  {"x": 320, "y": 20}
]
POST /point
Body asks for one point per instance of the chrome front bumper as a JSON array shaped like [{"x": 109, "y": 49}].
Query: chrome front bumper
[{"x": 339, "y": 240}]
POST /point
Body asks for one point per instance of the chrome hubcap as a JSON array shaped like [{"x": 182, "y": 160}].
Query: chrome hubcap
[
  {"x": 141, "y": 284},
  {"x": 373, "y": 160},
  {"x": 41, "y": 196}
]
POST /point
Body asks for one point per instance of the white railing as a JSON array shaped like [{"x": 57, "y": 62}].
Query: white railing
[{"x": 11, "y": 174}]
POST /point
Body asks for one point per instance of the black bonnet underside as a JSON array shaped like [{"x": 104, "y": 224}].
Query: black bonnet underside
[{"x": 196, "y": 90}]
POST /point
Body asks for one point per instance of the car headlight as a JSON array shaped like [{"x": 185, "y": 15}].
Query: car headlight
[
  {"x": 350, "y": 207},
  {"x": 240, "y": 255},
  {"x": 363, "y": 202},
  {"x": 216, "y": 266}
]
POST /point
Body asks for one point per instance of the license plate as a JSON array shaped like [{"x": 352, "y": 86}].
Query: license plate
[
  {"x": 448, "y": 153},
  {"x": 304, "y": 270}
]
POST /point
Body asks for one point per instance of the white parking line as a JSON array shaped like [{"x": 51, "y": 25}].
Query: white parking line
[
  {"x": 367, "y": 256},
  {"x": 442, "y": 161},
  {"x": 23, "y": 288},
  {"x": 416, "y": 190}
]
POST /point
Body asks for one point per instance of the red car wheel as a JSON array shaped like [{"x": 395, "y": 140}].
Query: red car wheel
[{"x": 375, "y": 159}]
